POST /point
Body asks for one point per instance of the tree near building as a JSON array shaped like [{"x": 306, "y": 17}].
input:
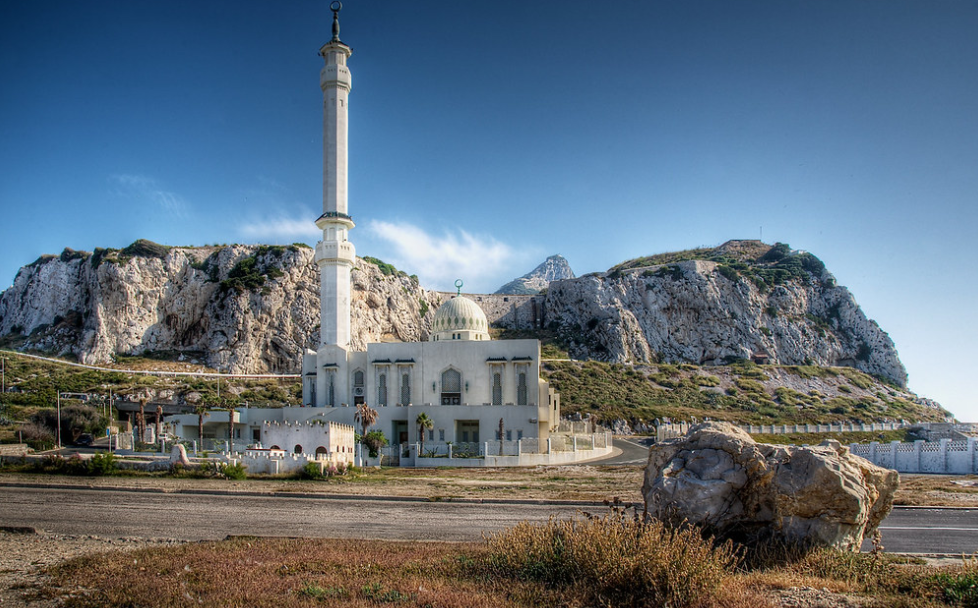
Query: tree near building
[
  {"x": 366, "y": 416},
  {"x": 424, "y": 423}
]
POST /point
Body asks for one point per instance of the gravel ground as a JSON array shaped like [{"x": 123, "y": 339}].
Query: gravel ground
[{"x": 25, "y": 555}]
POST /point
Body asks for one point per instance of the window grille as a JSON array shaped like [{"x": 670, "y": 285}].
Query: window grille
[{"x": 405, "y": 389}]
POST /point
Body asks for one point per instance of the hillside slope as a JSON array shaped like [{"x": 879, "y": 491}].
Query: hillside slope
[{"x": 741, "y": 300}]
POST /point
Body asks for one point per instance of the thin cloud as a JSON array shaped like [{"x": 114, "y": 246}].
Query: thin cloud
[
  {"x": 279, "y": 228},
  {"x": 149, "y": 189},
  {"x": 440, "y": 259}
]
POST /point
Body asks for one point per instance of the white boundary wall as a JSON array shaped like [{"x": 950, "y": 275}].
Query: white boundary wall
[
  {"x": 944, "y": 456},
  {"x": 558, "y": 449},
  {"x": 671, "y": 430}
]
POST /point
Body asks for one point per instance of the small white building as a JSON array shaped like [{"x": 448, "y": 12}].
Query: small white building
[{"x": 326, "y": 439}]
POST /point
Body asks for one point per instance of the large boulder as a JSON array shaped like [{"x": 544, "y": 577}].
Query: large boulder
[{"x": 720, "y": 478}]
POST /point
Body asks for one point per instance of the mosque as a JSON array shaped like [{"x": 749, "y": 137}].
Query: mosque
[
  {"x": 470, "y": 386},
  {"x": 484, "y": 398}
]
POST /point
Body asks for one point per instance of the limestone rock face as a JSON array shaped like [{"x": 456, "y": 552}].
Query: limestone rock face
[
  {"x": 691, "y": 312},
  {"x": 240, "y": 309},
  {"x": 255, "y": 309},
  {"x": 553, "y": 268},
  {"x": 719, "y": 477}
]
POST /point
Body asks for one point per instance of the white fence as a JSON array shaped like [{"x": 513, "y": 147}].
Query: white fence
[
  {"x": 944, "y": 456},
  {"x": 670, "y": 430},
  {"x": 558, "y": 449}
]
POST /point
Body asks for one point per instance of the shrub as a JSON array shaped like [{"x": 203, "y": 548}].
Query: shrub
[
  {"x": 145, "y": 249},
  {"x": 102, "y": 463},
  {"x": 728, "y": 273},
  {"x": 614, "y": 560},
  {"x": 311, "y": 472},
  {"x": 234, "y": 471},
  {"x": 374, "y": 440},
  {"x": 750, "y": 386},
  {"x": 776, "y": 253}
]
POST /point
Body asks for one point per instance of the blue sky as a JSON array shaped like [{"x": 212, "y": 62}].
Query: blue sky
[{"x": 486, "y": 136}]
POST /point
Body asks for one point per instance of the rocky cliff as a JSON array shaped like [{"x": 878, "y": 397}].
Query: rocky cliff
[
  {"x": 254, "y": 309},
  {"x": 553, "y": 268},
  {"x": 240, "y": 309},
  {"x": 742, "y": 300}
]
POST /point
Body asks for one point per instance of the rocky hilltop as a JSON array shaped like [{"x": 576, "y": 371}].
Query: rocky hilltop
[
  {"x": 254, "y": 309},
  {"x": 553, "y": 268},
  {"x": 742, "y": 300},
  {"x": 240, "y": 309}
]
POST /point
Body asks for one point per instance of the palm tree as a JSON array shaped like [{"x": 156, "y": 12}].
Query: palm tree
[
  {"x": 424, "y": 423},
  {"x": 366, "y": 416},
  {"x": 159, "y": 421},
  {"x": 201, "y": 410},
  {"x": 141, "y": 421}
]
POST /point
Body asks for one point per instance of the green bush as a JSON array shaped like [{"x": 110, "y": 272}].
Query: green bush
[
  {"x": 234, "y": 471},
  {"x": 311, "y": 471},
  {"x": 374, "y": 440},
  {"x": 102, "y": 463}
]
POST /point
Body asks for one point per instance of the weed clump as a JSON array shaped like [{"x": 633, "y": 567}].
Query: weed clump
[{"x": 615, "y": 560}]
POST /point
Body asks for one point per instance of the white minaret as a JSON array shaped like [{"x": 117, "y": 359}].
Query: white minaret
[{"x": 335, "y": 254}]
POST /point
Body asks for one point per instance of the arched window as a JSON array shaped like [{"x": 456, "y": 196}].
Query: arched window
[
  {"x": 298, "y": 449},
  {"x": 451, "y": 387},
  {"x": 321, "y": 451},
  {"x": 382, "y": 390},
  {"x": 521, "y": 389},
  {"x": 359, "y": 393},
  {"x": 405, "y": 388},
  {"x": 497, "y": 388}
]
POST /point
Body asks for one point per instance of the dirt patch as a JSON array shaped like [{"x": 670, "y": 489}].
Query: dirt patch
[{"x": 25, "y": 555}]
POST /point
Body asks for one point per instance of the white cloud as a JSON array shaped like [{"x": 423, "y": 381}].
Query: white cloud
[
  {"x": 281, "y": 228},
  {"x": 148, "y": 188},
  {"x": 438, "y": 260}
]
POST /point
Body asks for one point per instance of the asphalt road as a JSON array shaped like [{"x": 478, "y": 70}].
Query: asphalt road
[{"x": 209, "y": 516}]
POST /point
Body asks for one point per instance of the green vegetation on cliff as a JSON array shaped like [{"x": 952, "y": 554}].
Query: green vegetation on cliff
[{"x": 742, "y": 393}]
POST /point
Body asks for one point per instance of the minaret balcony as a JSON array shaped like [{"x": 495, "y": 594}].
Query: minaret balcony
[
  {"x": 334, "y": 218},
  {"x": 342, "y": 252},
  {"x": 335, "y": 75}
]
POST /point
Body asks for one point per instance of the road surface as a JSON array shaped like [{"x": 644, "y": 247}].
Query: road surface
[{"x": 192, "y": 516}]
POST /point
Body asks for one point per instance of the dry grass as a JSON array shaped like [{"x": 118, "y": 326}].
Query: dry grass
[
  {"x": 281, "y": 573},
  {"x": 597, "y": 562},
  {"x": 615, "y": 561},
  {"x": 938, "y": 490}
]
